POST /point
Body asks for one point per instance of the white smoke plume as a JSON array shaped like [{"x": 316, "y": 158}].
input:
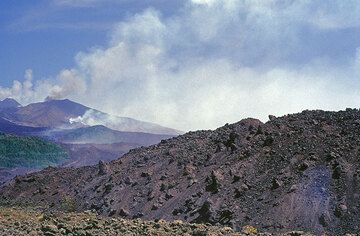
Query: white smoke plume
[
  {"x": 70, "y": 82},
  {"x": 215, "y": 61},
  {"x": 21, "y": 91},
  {"x": 92, "y": 117},
  {"x": 66, "y": 84}
]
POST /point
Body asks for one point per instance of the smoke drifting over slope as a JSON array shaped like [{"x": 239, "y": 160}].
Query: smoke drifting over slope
[
  {"x": 67, "y": 83},
  {"x": 214, "y": 62}
]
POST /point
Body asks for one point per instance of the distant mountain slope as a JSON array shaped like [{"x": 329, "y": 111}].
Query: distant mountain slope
[
  {"x": 12, "y": 128},
  {"x": 69, "y": 114},
  {"x": 74, "y": 127},
  {"x": 29, "y": 152},
  {"x": 9, "y": 103},
  {"x": 297, "y": 172},
  {"x": 90, "y": 154},
  {"x": 85, "y": 146},
  {"x": 94, "y": 117},
  {"x": 52, "y": 113},
  {"x": 102, "y": 135}
]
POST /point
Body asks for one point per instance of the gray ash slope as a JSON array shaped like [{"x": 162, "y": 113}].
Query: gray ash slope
[{"x": 297, "y": 172}]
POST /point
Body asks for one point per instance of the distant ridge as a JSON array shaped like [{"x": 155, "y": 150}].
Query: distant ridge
[
  {"x": 9, "y": 103},
  {"x": 68, "y": 114},
  {"x": 100, "y": 134}
]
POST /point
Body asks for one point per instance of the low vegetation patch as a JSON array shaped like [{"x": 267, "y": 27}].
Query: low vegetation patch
[{"x": 29, "y": 152}]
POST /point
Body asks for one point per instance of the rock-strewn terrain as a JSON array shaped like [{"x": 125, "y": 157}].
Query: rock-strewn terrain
[
  {"x": 297, "y": 172},
  {"x": 32, "y": 223}
]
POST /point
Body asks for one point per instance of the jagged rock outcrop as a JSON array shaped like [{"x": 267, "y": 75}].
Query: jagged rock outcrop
[{"x": 297, "y": 172}]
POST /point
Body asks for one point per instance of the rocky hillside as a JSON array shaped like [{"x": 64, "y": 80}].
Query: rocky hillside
[{"x": 297, "y": 172}]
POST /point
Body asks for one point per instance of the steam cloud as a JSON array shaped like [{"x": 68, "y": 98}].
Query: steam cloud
[
  {"x": 215, "y": 61},
  {"x": 67, "y": 83},
  {"x": 92, "y": 117}
]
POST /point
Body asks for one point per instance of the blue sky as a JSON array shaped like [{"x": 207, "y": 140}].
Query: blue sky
[
  {"x": 45, "y": 35},
  {"x": 188, "y": 64}
]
